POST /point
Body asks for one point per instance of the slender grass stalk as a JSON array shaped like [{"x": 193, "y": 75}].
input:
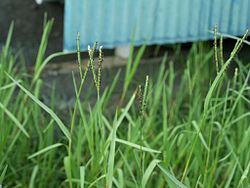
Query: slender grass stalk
[
  {"x": 216, "y": 50},
  {"x": 79, "y": 54},
  {"x": 221, "y": 51},
  {"x": 72, "y": 125},
  {"x": 99, "y": 71}
]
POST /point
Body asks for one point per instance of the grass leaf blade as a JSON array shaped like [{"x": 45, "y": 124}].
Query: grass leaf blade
[
  {"x": 43, "y": 106},
  {"x": 44, "y": 150},
  {"x": 171, "y": 177},
  {"x": 149, "y": 171},
  {"x": 14, "y": 119}
]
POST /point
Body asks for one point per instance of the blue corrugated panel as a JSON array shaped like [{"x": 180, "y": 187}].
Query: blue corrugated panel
[{"x": 113, "y": 22}]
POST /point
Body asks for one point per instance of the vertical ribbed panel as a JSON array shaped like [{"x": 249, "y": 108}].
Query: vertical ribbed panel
[{"x": 113, "y": 23}]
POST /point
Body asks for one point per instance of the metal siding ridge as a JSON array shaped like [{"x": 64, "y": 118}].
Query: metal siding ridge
[
  {"x": 226, "y": 14},
  {"x": 172, "y": 18},
  {"x": 149, "y": 12},
  {"x": 243, "y": 20},
  {"x": 205, "y": 14},
  {"x": 182, "y": 26},
  {"x": 194, "y": 18},
  {"x": 248, "y": 22},
  {"x": 160, "y": 27},
  {"x": 113, "y": 22},
  {"x": 215, "y": 14}
]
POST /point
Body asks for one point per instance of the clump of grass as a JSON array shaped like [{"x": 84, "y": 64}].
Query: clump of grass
[{"x": 193, "y": 135}]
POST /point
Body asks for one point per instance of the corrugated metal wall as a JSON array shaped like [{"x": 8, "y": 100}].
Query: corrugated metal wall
[{"x": 113, "y": 22}]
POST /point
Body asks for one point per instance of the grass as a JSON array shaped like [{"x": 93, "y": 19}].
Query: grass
[{"x": 160, "y": 135}]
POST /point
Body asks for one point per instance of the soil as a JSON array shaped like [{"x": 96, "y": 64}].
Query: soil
[{"x": 28, "y": 18}]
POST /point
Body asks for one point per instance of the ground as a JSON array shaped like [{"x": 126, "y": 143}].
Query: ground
[{"x": 28, "y": 18}]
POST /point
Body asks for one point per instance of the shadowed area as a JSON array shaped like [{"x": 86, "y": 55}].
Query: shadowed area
[{"x": 28, "y": 18}]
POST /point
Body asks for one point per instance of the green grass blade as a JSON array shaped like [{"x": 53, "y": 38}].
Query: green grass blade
[
  {"x": 194, "y": 123},
  {"x": 44, "y": 150},
  {"x": 131, "y": 68},
  {"x": 116, "y": 125},
  {"x": 43, "y": 44},
  {"x": 111, "y": 159},
  {"x": 82, "y": 176},
  {"x": 129, "y": 168},
  {"x": 230, "y": 176},
  {"x": 14, "y": 119},
  {"x": 7, "y": 43},
  {"x": 244, "y": 175},
  {"x": 130, "y": 59},
  {"x": 112, "y": 87},
  {"x": 3, "y": 174},
  {"x": 46, "y": 61},
  {"x": 7, "y": 86},
  {"x": 136, "y": 146},
  {"x": 136, "y": 62},
  {"x": 46, "y": 108},
  {"x": 239, "y": 118},
  {"x": 120, "y": 178},
  {"x": 245, "y": 141},
  {"x": 171, "y": 177},
  {"x": 33, "y": 177},
  {"x": 96, "y": 180},
  {"x": 125, "y": 111},
  {"x": 149, "y": 171},
  {"x": 67, "y": 167}
]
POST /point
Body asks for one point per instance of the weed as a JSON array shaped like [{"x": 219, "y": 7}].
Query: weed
[{"x": 193, "y": 135}]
